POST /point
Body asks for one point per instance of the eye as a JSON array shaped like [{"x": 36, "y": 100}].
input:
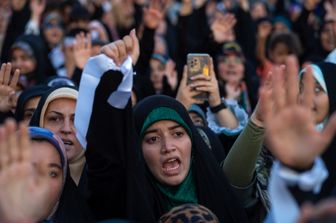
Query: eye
[
  {"x": 152, "y": 139},
  {"x": 178, "y": 134},
  {"x": 55, "y": 119},
  {"x": 53, "y": 174}
]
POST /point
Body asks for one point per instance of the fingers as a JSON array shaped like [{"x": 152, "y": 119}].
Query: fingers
[
  {"x": 184, "y": 79},
  {"x": 278, "y": 83},
  {"x": 121, "y": 51},
  {"x": 136, "y": 48},
  {"x": 2, "y": 72},
  {"x": 265, "y": 103},
  {"x": 7, "y": 74},
  {"x": 12, "y": 145},
  {"x": 3, "y": 149},
  {"x": 308, "y": 89},
  {"x": 200, "y": 77},
  {"x": 8, "y": 144},
  {"x": 24, "y": 143},
  {"x": 292, "y": 79},
  {"x": 15, "y": 79},
  {"x": 128, "y": 44}
]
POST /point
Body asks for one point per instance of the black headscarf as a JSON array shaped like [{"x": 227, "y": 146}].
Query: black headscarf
[
  {"x": 26, "y": 95},
  {"x": 35, "y": 120},
  {"x": 329, "y": 157},
  {"x": 212, "y": 188},
  {"x": 34, "y": 46}
]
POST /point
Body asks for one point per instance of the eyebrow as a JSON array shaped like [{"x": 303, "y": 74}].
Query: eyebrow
[
  {"x": 55, "y": 165},
  {"x": 57, "y": 113},
  {"x": 170, "y": 128}
]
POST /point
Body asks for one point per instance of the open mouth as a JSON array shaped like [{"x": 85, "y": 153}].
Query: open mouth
[
  {"x": 67, "y": 142},
  {"x": 171, "y": 166}
]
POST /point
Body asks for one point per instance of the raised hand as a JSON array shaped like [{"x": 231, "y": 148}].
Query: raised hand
[
  {"x": 37, "y": 7},
  {"x": 171, "y": 74},
  {"x": 119, "y": 50},
  {"x": 23, "y": 188},
  {"x": 232, "y": 91},
  {"x": 264, "y": 30},
  {"x": 153, "y": 15},
  {"x": 186, "y": 93},
  {"x": 7, "y": 86},
  {"x": 207, "y": 84},
  {"x": 222, "y": 26},
  {"x": 82, "y": 49},
  {"x": 290, "y": 126}
]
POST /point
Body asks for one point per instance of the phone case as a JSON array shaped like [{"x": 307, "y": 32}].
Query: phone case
[{"x": 198, "y": 64}]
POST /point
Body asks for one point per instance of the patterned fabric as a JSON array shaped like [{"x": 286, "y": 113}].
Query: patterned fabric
[
  {"x": 189, "y": 213},
  {"x": 263, "y": 170}
]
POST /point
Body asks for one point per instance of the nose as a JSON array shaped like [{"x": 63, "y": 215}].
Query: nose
[
  {"x": 167, "y": 145},
  {"x": 67, "y": 127}
]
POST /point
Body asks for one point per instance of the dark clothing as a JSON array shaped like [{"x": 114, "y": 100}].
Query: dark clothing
[
  {"x": 121, "y": 185},
  {"x": 25, "y": 96}
]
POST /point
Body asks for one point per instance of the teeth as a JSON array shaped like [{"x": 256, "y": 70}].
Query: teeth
[{"x": 171, "y": 160}]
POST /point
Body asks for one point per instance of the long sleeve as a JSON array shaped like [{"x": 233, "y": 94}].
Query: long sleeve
[
  {"x": 15, "y": 28},
  {"x": 239, "y": 165},
  {"x": 103, "y": 126}
]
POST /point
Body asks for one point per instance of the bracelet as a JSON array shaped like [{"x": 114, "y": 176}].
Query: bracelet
[{"x": 219, "y": 107}]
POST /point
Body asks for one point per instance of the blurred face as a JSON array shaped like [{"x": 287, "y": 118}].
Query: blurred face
[
  {"x": 196, "y": 119},
  {"x": 231, "y": 69},
  {"x": 46, "y": 157},
  {"x": 320, "y": 102},
  {"x": 166, "y": 147},
  {"x": 20, "y": 60},
  {"x": 29, "y": 108},
  {"x": 279, "y": 54},
  {"x": 53, "y": 33},
  {"x": 258, "y": 11},
  {"x": 328, "y": 39},
  {"x": 59, "y": 118},
  {"x": 157, "y": 73}
]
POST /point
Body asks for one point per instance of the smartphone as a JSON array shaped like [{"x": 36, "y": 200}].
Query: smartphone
[{"x": 198, "y": 63}]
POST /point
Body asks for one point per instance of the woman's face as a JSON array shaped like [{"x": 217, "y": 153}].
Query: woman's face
[
  {"x": 328, "y": 38},
  {"x": 157, "y": 73},
  {"x": 53, "y": 33},
  {"x": 29, "y": 108},
  {"x": 59, "y": 118},
  {"x": 258, "y": 11},
  {"x": 279, "y": 54},
  {"x": 20, "y": 60},
  {"x": 46, "y": 157},
  {"x": 320, "y": 103},
  {"x": 166, "y": 147},
  {"x": 231, "y": 69}
]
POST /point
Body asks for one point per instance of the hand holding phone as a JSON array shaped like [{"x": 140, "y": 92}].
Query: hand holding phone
[{"x": 198, "y": 64}]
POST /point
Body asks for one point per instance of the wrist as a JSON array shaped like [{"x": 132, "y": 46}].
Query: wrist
[
  {"x": 256, "y": 121},
  {"x": 220, "y": 106}
]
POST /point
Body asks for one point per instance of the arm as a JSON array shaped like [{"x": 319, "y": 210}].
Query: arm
[
  {"x": 33, "y": 26},
  {"x": 103, "y": 121}
]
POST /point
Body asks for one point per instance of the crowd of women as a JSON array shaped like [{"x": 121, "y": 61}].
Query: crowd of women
[{"x": 102, "y": 122}]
